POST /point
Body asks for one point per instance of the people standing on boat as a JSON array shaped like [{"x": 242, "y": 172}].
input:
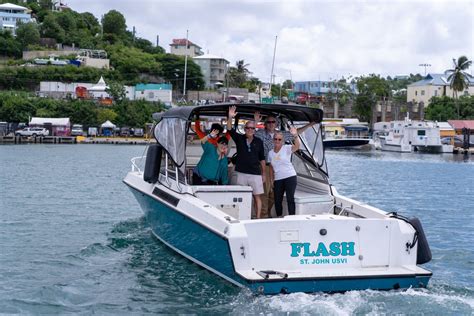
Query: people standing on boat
[
  {"x": 212, "y": 167},
  {"x": 250, "y": 162},
  {"x": 267, "y": 135},
  {"x": 201, "y": 134},
  {"x": 282, "y": 172}
]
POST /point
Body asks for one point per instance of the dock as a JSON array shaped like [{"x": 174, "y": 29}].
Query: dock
[
  {"x": 38, "y": 140},
  {"x": 75, "y": 140}
]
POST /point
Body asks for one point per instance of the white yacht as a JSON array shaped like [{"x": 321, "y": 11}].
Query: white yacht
[
  {"x": 332, "y": 244},
  {"x": 409, "y": 135}
]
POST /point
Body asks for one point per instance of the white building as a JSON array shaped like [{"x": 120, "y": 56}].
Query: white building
[
  {"x": 154, "y": 92},
  {"x": 213, "y": 68},
  {"x": 433, "y": 85},
  {"x": 11, "y": 14}
]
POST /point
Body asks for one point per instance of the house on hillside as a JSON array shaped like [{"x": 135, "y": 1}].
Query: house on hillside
[
  {"x": 178, "y": 47},
  {"x": 433, "y": 85},
  {"x": 11, "y": 14},
  {"x": 213, "y": 68},
  {"x": 321, "y": 87}
]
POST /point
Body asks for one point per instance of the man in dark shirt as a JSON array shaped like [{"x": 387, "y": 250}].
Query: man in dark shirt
[{"x": 250, "y": 162}]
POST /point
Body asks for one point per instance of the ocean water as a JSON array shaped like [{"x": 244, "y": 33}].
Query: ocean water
[{"x": 73, "y": 239}]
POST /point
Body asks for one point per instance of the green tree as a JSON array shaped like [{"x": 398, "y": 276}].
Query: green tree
[
  {"x": 238, "y": 75},
  {"x": 371, "y": 90},
  {"x": 27, "y": 34},
  {"x": 172, "y": 69},
  {"x": 114, "y": 26},
  {"x": 15, "y": 108},
  {"x": 252, "y": 84},
  {"x": 8, "y": 45},
  {"x": 116, "y": 90},
  {"x": 288, "y": 84},
  {"x": 50, "y": 28},
  {"x": 147, "y": 46},
  {"x": 458, "y": 78},
  {"x": 105, "y": 114},
  {"x": 130, "y": 61},
  {"x": 441, "y": 109}
]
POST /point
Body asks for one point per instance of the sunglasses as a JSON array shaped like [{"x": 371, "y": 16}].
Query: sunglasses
[
  {"x": 271, "y": 122},
  {"x": 248, "y": 127},
  {"x": 279, "y": 139}
]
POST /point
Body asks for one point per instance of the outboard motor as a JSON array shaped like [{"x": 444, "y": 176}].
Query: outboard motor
[
  {"x": 423, "y": 255},
  {"x": 152, "y": 163}
]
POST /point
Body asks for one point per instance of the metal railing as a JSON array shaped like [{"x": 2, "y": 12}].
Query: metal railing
[{"x": 135, "y": 164}]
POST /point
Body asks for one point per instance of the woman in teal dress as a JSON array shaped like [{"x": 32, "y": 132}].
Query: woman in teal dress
[{"x": 212, "y": 167}]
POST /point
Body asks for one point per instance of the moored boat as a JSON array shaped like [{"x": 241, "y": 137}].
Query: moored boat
[
  {"x": 332, "y": 244},
  {"x": 410, "y": 135},
  {"x": 345, "y": 134}
]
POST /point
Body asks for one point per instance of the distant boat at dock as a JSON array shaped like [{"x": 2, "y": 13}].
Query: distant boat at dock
[
  {"x": 409, "y": 135},
  {"x": 345, "y": 133}
]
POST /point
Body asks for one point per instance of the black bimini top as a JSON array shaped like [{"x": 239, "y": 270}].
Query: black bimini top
[{"x": 245, "y": 110}]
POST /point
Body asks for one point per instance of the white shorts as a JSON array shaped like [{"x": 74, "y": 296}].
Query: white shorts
[{"x": 253, "y": 180}]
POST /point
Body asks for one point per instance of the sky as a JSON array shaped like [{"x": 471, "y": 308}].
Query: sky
[{"x": 315, "y": 40}]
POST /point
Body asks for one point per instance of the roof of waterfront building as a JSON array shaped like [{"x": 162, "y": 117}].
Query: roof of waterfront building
[
  {"x": 182, "y": 42},
  {"x": 460, "y": 124},
  {"x": 436, "y": 80},
  {"x": 62, "y": 121},
  {"x": 210, "y": 56},
  {"x": 11, "y": 6}
]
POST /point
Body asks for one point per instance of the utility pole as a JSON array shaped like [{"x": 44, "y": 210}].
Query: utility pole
[
  {"x": 424, "y": 65},
  {"x": 185, "y": 66}
]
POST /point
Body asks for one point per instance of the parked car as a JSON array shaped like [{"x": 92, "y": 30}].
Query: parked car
[
  {"x": 125, "y": 131},
  {"x": 457, "y": 141},
  {"x": 138, "y": 132},
  {"x": 32, "y": 131},
  {"x": 92, "y": 132},
  {"x": 76, "y": 130}
]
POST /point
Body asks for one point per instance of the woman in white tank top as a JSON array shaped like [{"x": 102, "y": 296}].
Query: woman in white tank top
[{"x": 282, "y": 172}]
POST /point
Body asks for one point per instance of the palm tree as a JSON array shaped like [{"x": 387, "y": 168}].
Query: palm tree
[
  {"x": 458, "y": 77},
  {"x": 239, "y": 74}
]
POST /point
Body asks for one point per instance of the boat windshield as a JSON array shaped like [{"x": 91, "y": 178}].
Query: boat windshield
[
  {"x": 313, "y": 144},
  {"x": 171, "y": 135}
]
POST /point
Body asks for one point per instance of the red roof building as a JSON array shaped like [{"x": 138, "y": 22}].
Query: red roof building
[
  {"x": 178, "y": 47},
  {"x": 458, "y": 125}
]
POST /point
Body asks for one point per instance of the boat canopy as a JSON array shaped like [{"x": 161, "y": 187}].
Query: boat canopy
[{"x": 171, "y": 129}]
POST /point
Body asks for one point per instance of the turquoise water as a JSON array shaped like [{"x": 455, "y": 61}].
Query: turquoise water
[{"x": 73, "y": 239}]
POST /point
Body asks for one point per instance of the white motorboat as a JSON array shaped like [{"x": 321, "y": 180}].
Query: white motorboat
[
  {"x": 410, "y": 135},
  {"x": 332, "y": 244}
]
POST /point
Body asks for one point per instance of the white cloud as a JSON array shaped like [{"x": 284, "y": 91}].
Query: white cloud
[{"x": 316, "y": 39}]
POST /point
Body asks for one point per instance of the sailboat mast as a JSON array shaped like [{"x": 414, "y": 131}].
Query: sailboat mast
[
  {"x": 185, "y": 65},
  {"x": 273, "y": 63}
]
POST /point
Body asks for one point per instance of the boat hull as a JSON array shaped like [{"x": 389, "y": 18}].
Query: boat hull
[
  {"x": 345, "y": 143},
  {"x": 211, "y": 251}
]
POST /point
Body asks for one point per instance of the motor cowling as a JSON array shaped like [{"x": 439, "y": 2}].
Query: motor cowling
[
  {"x": 423, "y": 254},
  {"x": 152, "y": 163}
]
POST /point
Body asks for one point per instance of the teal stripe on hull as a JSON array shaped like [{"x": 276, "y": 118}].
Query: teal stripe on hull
[
  {"x": 212, "y": 250},
  {"x": 188, "y": 236},
  {"x": 339, "y": 285}
]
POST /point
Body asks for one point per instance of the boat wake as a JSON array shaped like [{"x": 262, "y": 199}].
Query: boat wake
[{"x": 436, "y": 300}]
